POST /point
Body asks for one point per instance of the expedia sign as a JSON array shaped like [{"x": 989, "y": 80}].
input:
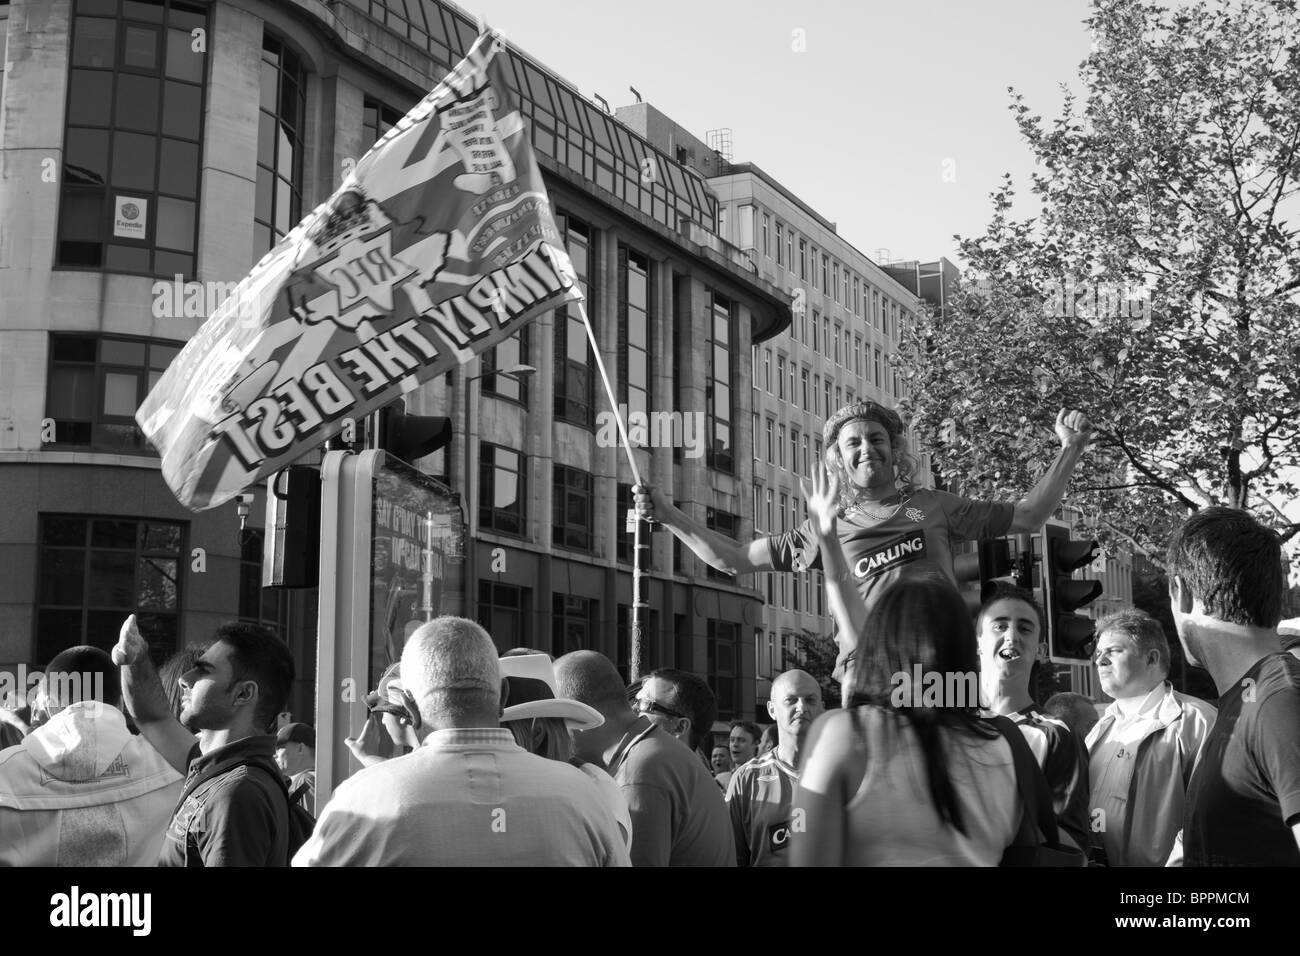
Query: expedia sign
[{"x": 904, "y": 549}]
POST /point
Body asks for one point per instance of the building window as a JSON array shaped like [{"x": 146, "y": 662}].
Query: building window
[
  {"x": 794, "y": 449},
  {"x": 571, "y": 623},
  {"x": 376, "y": 120},
  {"x": 780, "y": 258},
  {"x": 835, "y": 281},
  {"x": 825, "y": 284},
  {"x": 503, "y": 612},
  {"x": 803, "y": 259},
  {"x": 624, "y": 539},
  {"x": 857, "y": 355},
  {"x": 574, "y": 383},
  {"x": 848, "y": 395},
  {"x": 133, "y": 139},
  {"x": 718, "y": 391},
  {"x": 96, "y": 383},
  {"x": 817, "y": 449},
  {"x": 780, "y": 445},
  {"x": 816, "y": 319},
  {"x": 767, "y": 370},
  {"x": 780, "y": 377},
  {"x": 812, "y": 256},
  {"x": 633, "y": 330},
  {"x": 857, "y": 302},
  {"x": 875, "y": 374},
  {"x": 771, "y": 457},
  {"x": 501, "y": 486},
  {"x": 816, "y": 390},
  {"x": 723, "y": 639},
  {"x": 826, "y": 388},
  {"x": 266, "y": 606},
  {"x": 826, "y": 335},
  {"x": 724, "y": 522},
  {"x": 767, "y": 249},
  {"x": 94, "y": 571},
  {"x": 753, "y": 436},
  {"x": 884, "y": 317},
  {"x": 803, "y": 385},
  {"x": 875, "y": 309},
  {"x": 837, "y": 344},
  {"x": 758, "y": 508},
  {"x": 767, "y": 497},
  {"x": 839, "y": 397},
  {"x": 571, "y": 513},
  {"x": 278, "y": 207},
  {"x": 507, "y": 354},
  {"x": 807, "y": 466}
]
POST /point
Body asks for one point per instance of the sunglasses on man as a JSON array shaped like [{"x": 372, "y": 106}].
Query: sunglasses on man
[{"x": 646, "y": 707}]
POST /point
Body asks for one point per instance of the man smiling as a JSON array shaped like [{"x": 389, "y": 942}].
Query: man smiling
[
  {"x": 889, "y": 527},
  {"x": 1142, "y": 751},
  {"x": 1008, "y": 630},
  {"x": 761, "y": 792}
]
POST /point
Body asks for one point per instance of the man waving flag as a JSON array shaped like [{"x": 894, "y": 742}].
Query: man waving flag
[{"x": 438, "y": 244}]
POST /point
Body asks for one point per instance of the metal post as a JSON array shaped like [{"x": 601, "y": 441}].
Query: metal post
[{"x": 471, "y": 524}]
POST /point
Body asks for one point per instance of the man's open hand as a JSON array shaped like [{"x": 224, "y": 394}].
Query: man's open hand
[
  {"x": 130, "y": 646},
  {"x": 1073, "y": 428}
]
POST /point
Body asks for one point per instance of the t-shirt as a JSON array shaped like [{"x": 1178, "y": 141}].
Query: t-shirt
[
  {"x": 678, "y": 815},
  {"x": 759, "y": 799},
  {"x": 921, "y": 531},
  {"x": 1064, "y": 760},
  {"x": 1244, "y": 795}
]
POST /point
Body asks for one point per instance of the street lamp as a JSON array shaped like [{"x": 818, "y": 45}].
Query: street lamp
[{"x": 517, "y": 372}]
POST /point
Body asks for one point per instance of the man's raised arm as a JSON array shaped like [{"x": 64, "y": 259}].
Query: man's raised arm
[
  {"x": 1074, "y": 430},
  {"x": 711, "y": 547},
  {"x": 144, "y": 698}
]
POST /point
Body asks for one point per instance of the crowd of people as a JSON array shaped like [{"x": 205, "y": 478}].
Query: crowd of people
[{"x": 470, "y": 756}]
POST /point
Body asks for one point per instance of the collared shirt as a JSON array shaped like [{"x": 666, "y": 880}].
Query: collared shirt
[
  {"x": 1139, "y": 767},
  {"x": 759, "y": 798},
  {"x": 1065, "y": 765},
  {"x": 466, "y": 797},
  {"x": 238, "y": 816}
]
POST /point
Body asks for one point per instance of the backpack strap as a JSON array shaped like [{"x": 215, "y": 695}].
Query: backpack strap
[{"x": 1039, "y": 818}]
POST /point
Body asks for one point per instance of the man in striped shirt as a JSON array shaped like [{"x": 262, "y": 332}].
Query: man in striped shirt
[
  {"x": 760, "y": 793},
  {"x": 1009, "y": 628}
]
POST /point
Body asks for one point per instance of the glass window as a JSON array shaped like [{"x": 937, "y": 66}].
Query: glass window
[
  {"x": 121, "y": 95},
  {"x": 95, "y": 386},
  {"x": 723, "y": 667},
  {"x": 571, "y": 508},
  {"x": 503, "y": 611},
  {"x": 724, "y": 522},
  {"x": 572, "y": 620},
  {"x": 574, "y": 376},
  {"x": 94, "y": 571},
  {"x": 507, "y": 354},
  {"x": 279, "y": 143},
  {"x": 720, "y": 412},
  {"x": 634, "y": 361},
  {"x": 502, "y": 481}
]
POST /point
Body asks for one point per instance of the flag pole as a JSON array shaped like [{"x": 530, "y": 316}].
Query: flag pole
[{"x": 639, "y": 544}]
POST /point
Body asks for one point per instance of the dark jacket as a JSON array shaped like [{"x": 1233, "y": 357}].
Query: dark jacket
[{"x": 231, "y": 813}]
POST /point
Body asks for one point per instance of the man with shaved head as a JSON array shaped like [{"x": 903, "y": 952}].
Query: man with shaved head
[
  {"x": 760, "y": 793},
  {"x": 678, "y": 817},
  {"x": 468, "y": 795}
]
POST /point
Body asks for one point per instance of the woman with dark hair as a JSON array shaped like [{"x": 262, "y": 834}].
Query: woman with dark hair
[{"x": 908, "y": 774}]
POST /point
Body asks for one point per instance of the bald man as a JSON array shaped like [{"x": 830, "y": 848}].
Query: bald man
[
  {"x": 760, "y": 793},
  {"x": 678, "y": 816},
  {"x": 468, "y": 795}
]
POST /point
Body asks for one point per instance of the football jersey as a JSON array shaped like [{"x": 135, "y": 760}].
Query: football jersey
[{"x": 759, "y": 799}]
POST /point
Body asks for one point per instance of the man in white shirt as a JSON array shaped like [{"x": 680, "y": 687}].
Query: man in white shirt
[
  {"x": 1142, "y": 751},
  {"x": 468, "y": 795}
]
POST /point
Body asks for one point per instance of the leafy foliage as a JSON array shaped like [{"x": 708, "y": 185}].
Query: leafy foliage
[
  {"x": 816, "y": 653},
  {"x": 1158, "y": 288}
]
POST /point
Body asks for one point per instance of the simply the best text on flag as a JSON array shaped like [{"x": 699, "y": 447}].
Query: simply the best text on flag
[{"x": 438, "y": 244}]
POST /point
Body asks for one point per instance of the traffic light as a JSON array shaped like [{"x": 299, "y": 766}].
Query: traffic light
[
  {"x": 410, "y": 437},
  {"x": 1069, "y": 635},
  {"x": 990, "y": 559}
]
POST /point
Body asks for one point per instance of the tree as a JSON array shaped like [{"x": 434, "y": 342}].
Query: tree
[{"x": 1158, "y": 288}]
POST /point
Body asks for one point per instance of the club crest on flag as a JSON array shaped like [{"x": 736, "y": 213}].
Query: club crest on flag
[{"x": 437, "y": 245}]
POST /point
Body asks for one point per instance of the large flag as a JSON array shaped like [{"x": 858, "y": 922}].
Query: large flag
[{"x": 438, "y": 244}]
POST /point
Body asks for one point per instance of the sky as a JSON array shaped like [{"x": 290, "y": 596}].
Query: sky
[{"x": 892, "y": 122}]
